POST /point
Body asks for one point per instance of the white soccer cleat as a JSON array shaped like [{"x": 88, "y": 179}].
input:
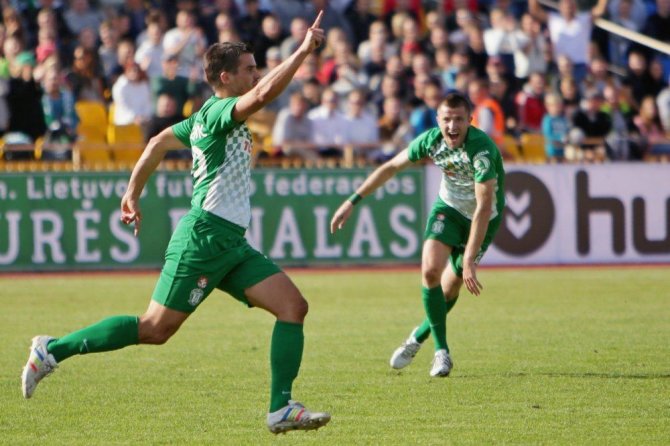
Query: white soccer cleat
[
  {"x": 403, "y": 355},
  {"x": 295, "y": 416},
  {"x": 442, "y": 364},
  {"x": 40, "y": 364}
]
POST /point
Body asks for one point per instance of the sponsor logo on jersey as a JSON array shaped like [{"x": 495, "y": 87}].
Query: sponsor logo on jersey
[
  {"x": 197, "y": 132},
  {"x": 196, "y": 296}
]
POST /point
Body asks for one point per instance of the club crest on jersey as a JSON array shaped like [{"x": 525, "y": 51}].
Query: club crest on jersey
[
  {"x": 202, "y": 282},
  {"x": 196, "y": 296},
  {"x": 481, "y": 163}
]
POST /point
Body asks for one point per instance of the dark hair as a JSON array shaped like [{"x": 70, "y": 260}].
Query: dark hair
[
  {"x": 223, "y": 57},
  {"x": 455, "y": 99}
]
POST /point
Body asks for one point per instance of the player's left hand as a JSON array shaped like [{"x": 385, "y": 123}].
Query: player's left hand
[
  {"x": 470, "y": 280},
  {"x": 341, "y": 216},
  {"x": 130, "y": 212}
]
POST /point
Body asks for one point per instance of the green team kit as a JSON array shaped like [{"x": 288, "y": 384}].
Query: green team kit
[
  {"x": 208, "y": 249},
  {"x": 476, "y": 161}
]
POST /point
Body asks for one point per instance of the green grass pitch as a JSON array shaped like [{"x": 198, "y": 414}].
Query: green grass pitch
[{"x": 544, "y": 356}]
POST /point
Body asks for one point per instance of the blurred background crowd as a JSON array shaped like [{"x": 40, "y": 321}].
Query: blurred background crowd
[{"x": 78, "y": 77}]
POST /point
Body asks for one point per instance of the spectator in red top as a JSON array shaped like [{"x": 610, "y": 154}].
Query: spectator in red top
[{"x": 530, "y": 103}]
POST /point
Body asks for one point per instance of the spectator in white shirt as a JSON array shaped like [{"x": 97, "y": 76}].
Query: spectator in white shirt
[
  {"x": 187, "y": 41},
  {"x": 362, "y": 128},
  {"x": 328, "y": 126},
  {"x": 131, "y": 95},
  {"x": 149, "y": 54}
]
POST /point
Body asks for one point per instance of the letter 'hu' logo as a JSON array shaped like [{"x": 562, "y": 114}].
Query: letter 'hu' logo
[{"x": 529, "y": 215}]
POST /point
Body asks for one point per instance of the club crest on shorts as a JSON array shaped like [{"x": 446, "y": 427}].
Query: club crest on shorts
[
  {"x": 437, "y": 227},
  {"x": 196, "y": 296},
  {"x": 202, "y": 282}
]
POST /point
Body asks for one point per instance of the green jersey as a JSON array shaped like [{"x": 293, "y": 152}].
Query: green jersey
[
  {"x": 476, "y": 161},
  {"x": 221, "y": 149}
]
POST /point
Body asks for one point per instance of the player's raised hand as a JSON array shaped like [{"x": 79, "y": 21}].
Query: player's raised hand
[
  {"x": 315, "y": 35},
  {"x": 130, "y": 212},
  {"x": 341, "y": 216}
]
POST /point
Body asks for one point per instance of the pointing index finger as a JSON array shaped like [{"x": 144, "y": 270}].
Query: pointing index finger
[{"x": 317, "y": 22}]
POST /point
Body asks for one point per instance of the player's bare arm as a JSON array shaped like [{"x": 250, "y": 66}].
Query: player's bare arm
[
  {"x": 376, "y": 179},
  {"x": 272, "y": 84},
  {"x": 152, "y": 155},
  {"x": 480, "y": 219}
]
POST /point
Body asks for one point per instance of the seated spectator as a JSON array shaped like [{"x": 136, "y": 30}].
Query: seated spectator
[
  {"x": 424, "y": 117},
  {"x": 60, "y": 117},
  {"x": 131, "y": 95},
  {"x": 591, "y": 126},
  {"x": 554, "y": 128},
  {"x": 328, "y": 126},
  {"x": 297, "y": 33},
  {"x": 187, "y": 42},
  {"x": 166, "y": 115},
  {"x": 395, "y": 132},
  {"x": 179, "y": 87},
  {"x": 623, "y": 141},
  {"x": 149, "y": 54},
  {"x": 107, "y": 52},
  {"x": 378, "y": 36},
  {"x": 568, "y": 90},
  {"x": 292, "y": 130},
  {"x": 649, "y": 124},
  {"x": 638, "y": 76},
  {"x": 81, "y": 15},
  {"x": 361, "y": 125}
]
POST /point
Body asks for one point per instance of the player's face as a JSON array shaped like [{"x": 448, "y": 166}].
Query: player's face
[
  {"x": 453, "y": 123},
  {"x": 246, "y": 77}
]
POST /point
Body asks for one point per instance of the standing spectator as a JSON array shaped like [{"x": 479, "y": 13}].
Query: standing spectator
[
  {"x": 249, "y": 25},
  {"x": 622, "y": 13},
  {"x": 360, "y": 18},
  {"x": 60, "y": 117},
  {"x": 26, "y": 119},
  {"x": 530, "y": 56},
  {"x": 328, "y": 126},
  {"x": 131, "y": 95},
  {"x": 137, "y": 13},
  {"x": 567, "y": 89},
  {"x": 85, "y": 78},
  {"x": 271, "y": 35},
  {"x": 570, "y": 31},
  {"x": 555, "y": 127},
  {"x": 187, "y": 42},
  {"x": 149, "y": 54},
  {"x": 292, "y": 130},
  {"x": 657, "y": 25},
  {"x": 503, "y": 38},
  {"x": 638, "y": 76},
  {"x": 487, "y": 114},
  {"x": 530, "y": 104},
  {"x": 377, "y": 36}
]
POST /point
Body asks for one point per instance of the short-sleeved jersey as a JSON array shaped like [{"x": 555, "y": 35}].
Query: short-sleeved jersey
[
  {"x": 221, "y": 149},
  {"x": 476, "y": 161}
]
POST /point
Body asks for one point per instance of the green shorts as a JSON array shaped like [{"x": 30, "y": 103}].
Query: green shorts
[
  {"x": 207, "y": 252},
  {"x": 447, "y": 225}
]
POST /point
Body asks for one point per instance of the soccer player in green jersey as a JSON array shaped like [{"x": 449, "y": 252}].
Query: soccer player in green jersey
[
  {"x": 461, "y": 224},
  {"x": 208, "y": 249}
]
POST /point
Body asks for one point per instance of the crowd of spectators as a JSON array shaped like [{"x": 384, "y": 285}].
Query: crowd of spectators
[{"x": 373, "y": 86}]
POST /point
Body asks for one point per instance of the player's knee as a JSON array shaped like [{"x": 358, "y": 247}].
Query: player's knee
[
  {"x": 431, "y": 276},
  {"x": 294, "y": 310},
  {"x": 155, "y": 333}
]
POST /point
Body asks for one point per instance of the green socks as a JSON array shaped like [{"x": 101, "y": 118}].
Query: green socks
[
  {"x": 422, "y": 332},
  {"x": 109, "y": 334},
  {"x": 285, "y": 357},
  {"x": 436, "y": 310}
]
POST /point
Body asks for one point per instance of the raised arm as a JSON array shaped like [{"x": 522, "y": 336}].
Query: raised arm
[
  {"x": 377, "y": 178},
  {"x": 480, "y": 222},
  {"x": 599, "y": 9},
  {"x": 536, "y": 10},
  {"x": 272, "y": 84},
  {"x": 153, "y": 154}
]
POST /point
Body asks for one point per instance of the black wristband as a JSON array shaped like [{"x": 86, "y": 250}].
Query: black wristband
[{"x": 355, "y": 198}]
